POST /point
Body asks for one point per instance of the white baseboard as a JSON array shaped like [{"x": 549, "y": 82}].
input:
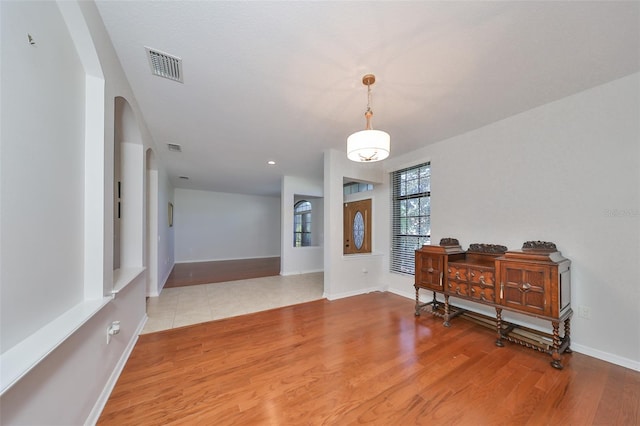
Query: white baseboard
[
  {"x": 164, "y": 281},
  {"x": 108, "y": 388},
  {"x": 407, "y": 294},
  {"x": 335, "y": 296},
  {"x": 605, "y": 356},
  {"x": 286, "y": 274}
]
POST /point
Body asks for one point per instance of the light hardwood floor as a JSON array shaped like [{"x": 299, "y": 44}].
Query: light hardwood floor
[{"x": 360, "y": 360}]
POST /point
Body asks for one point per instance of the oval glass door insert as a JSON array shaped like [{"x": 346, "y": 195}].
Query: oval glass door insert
[{"x": 358, "y": 230}]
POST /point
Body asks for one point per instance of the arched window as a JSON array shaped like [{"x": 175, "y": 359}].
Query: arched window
[{"x": 302, "y": 224}]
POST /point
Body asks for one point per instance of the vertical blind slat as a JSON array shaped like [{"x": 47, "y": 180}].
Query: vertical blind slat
[{"x": 410, "y": 215}]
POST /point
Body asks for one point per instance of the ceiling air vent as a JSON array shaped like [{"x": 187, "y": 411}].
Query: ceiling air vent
[
  {"x": 165, "y": 65},
  {"x": 174, "y": 147}
]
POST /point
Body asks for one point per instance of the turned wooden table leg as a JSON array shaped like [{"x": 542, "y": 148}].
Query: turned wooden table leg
[
  {"x": 555, "y": 354},
  {"x": 499, "y": 327},
  {"x": 446, "y": 322},
  {"x": 567, "y": 334},
  {"x": 417, "y": 301}
]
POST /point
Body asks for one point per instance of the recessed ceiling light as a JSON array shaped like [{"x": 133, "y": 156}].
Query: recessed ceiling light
[
  {"x": 184, "y": 177},
  {"x": 271, "y": 163}
]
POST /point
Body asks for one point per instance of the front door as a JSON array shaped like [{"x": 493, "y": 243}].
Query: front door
[{"x": 357, "y": 227}]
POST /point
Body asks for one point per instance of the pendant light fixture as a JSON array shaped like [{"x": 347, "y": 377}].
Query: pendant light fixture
[{"x": 368, "y": 145}]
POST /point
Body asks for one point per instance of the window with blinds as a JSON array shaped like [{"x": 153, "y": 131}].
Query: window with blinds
[{"x": 411, "y": 215}]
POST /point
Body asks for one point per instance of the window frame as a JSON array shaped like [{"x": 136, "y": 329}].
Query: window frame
[
  {"x": 404, "y": 243},
  {"x": 302, "y": 237}
]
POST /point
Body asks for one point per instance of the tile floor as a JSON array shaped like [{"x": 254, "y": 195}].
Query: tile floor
[{"x": 180, "y": 306}]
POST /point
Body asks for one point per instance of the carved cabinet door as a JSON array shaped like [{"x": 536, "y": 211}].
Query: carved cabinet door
[
  {"x": 429, "y": 271},
  {"x": 525, "y": 287}
]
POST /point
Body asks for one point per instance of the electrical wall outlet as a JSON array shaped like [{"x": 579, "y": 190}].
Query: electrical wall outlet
[
  {"x": 112, "y": 330},
  {"x": 584, "y": 312}
]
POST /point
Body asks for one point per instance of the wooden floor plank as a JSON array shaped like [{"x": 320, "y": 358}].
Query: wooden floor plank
[
  {"x": 363, "y": 359},
  {"x": 193, "y": 273}
]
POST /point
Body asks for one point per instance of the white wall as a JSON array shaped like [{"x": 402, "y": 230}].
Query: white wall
[
  {"x": 68, "y": 386},
  {"x": 57, "y": 153},
  {"x": 566, "y": 172},
  {"x": 166, "y": 234},
  {"x": 132, "y": 210},
  {"x": 221, "y": 226},
  {"x": 42, "y": 171},
  {"x": 300, "y": 260},
  {"x": 130, "y": 173},
  {"x": 352, "y": 274},
  {"x": 160, "y": 235}
]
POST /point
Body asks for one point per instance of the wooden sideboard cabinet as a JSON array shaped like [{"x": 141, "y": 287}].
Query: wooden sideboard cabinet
[
  {"x": 432, "y": 265},
  {"x": 534, "y": 281}
]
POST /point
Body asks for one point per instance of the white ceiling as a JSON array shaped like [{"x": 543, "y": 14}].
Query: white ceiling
[{"x": 282, "y": 80}]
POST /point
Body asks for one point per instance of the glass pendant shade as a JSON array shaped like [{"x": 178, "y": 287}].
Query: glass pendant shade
[{"x": 368, "y": 145}]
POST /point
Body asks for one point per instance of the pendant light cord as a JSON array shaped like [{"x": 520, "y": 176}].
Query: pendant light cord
[{"x": 368, "y": 114}]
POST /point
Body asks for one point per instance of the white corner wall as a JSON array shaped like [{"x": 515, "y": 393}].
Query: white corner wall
[
  {"x": 220, "y": 226},
  {"x": 301, "y": 260},
  {"x": 71, "y": 385},
  {"x": 567, "y": 172},
  {"x": 132, "y": 210},
  {"x": 63, "y": 236},
  {"x": 353, "y": 274},
  {"x": 165, "y": 233},
  {"x": 42, "y": 171}
]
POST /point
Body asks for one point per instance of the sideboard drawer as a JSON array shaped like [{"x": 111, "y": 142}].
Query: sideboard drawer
[
  {"x": 458, "y": 288},
  {"x": 458, "y": 272},
  {"x": 483, "y": 284}
]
